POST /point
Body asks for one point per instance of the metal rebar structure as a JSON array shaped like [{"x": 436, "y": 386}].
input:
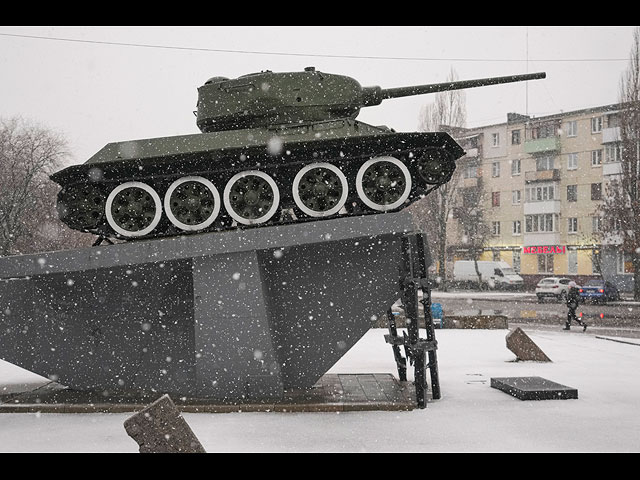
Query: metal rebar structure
[{"x": 419, "y": 351}]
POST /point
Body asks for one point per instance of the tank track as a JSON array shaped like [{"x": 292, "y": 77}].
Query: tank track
[{"x": 252, "y": 186}]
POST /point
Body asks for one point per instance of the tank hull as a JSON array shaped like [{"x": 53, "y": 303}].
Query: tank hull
[{"x": 281, "y": 158}]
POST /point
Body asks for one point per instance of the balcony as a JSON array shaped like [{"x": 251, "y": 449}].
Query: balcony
[
  {"x": 541, "y": 238},
  {"x": 614, "y": 168},
  {"x": 472, "y": 152},
  {"x": 541, "y": 145},
  {"x": 542, "y": 175},
  {"x": 469, "y": 182},
  {"x": 610, "y": 135},
  {"x": 546, "y": 206},
  {"x": 611, "y": 239}
]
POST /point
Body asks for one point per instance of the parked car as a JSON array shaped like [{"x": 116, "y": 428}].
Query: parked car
[
  {"x": 556, "y": 287},
  {"x": 598, "y": 290},
  {"x": 494, "y": 274}
]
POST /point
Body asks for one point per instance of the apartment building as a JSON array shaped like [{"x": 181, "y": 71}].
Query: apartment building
[{"x": 539, "y": 182}]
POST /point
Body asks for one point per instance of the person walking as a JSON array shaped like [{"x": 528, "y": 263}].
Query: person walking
[{"x": 572, "y": 303}]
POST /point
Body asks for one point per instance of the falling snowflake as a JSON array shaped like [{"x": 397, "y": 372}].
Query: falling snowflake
[
  {"x": 274, "y": 146},
  {"x": 95, "y": 174}
]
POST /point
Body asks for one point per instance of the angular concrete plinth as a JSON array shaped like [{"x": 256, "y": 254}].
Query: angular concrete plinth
[
  {"x": 332, "y": 393},
  {"x": 533, "y": 388},
  {"x": 524, "y": 348},
  {"x": 243, "y": 314}
]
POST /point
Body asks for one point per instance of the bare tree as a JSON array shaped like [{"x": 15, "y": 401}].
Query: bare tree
[
  {"x": 471, "y": 218},
  {"x": 622, "y": 203},
  {"x": 433, "y": 212},
  {"x": 28, "y": 220},
  {"x": 449, "y": 108}
]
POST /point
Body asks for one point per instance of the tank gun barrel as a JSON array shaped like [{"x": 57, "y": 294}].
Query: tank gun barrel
[{"x": 375, "y": 95}]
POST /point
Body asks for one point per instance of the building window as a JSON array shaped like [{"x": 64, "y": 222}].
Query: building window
[
  {"x": 515, "y": 137},
  {"x": 495, "y": 169},
  {"x": 572, "y": 129},
  {"x": 495, "y": 139},
  {"x": 516, "y": 197},
  {"x": 470, "y": 171},
  {"x": 496, "y": 255},
  {"x": 517, "y": 227},
  {"x": 596, "y": 224},
  {"x": 544, "y": 163},
  {"x": 596, "y": 158},
  {"x": 469, "y": 197},
  {"x": 545, "y": 263},
  {"x": 596, "y": 124},
  {"x": 542, "y": 222},
  {"x": 573, "y": 224},
  {"x": 495, "y": 199},
  {"x": 613, "y": 120},
  {"x": 572, "y": 193},
  {"x": 624, "y": 264},
  {"x": 596, "y": 191},
  {"x": 616, "y": 225},
  {"x": 516, "y": 261},
  {"x": 495, "y": 228},
  {"x": 572, "y": 262},
  {"x": 543, "y": 131},
  {"x": 540, "y": 193},
  {"x": 516, "y": 167},
  {"x": 572, "y": 161},
  {"x": 612, "y": 153}
]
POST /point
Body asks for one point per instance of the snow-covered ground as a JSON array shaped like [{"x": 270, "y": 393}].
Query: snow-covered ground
[{"x": 470, "y": 417}]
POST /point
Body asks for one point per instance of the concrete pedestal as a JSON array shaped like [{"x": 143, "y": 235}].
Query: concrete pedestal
[{"x": 232, "y": 315}]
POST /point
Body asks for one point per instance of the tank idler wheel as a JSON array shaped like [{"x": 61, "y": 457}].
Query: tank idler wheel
[{"x": 435, "y": 166}]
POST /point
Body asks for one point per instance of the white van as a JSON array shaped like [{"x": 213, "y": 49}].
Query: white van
[{"x": 494, "y": 274}]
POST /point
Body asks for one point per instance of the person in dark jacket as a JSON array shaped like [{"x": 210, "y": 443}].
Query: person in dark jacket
[{"x": 572, "y": 303}]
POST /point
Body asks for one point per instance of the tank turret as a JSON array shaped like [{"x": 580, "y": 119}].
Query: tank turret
[
  {"x": 268, "y": 98},
  {"x": 275, "y": 148}
]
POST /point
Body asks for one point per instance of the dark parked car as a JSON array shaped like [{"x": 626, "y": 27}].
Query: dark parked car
[{"x": 599, "y": 291}]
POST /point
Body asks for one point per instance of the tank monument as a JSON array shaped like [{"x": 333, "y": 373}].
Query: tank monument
[{"x": 242, "y": 262}]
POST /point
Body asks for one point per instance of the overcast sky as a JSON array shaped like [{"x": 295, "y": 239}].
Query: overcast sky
[{"x": 96, "y": 93}]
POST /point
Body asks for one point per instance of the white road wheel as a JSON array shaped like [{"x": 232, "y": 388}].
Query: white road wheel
[
  {"x": 133, "y": 209},
  {"x": 192, "y": 203},
  {"x": 320, "y": 189},
  {"x": 251, "y": 197},
  {"x": 383, "y": 183}
]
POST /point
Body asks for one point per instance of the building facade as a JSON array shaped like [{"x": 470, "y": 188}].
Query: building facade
[{"x": 538, "y": 183}]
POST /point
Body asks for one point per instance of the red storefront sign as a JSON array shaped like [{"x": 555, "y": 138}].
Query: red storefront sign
[{"x": 557, "y": 249}]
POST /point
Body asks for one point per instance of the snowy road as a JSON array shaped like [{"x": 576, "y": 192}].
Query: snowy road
[{"x": 470, "y": 417}]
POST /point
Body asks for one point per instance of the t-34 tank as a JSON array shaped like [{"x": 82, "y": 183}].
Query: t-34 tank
[{"x": 275, "y": 148}]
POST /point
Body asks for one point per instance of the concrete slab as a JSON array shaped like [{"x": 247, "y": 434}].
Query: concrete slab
[{"x": 533, "y": 388}]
